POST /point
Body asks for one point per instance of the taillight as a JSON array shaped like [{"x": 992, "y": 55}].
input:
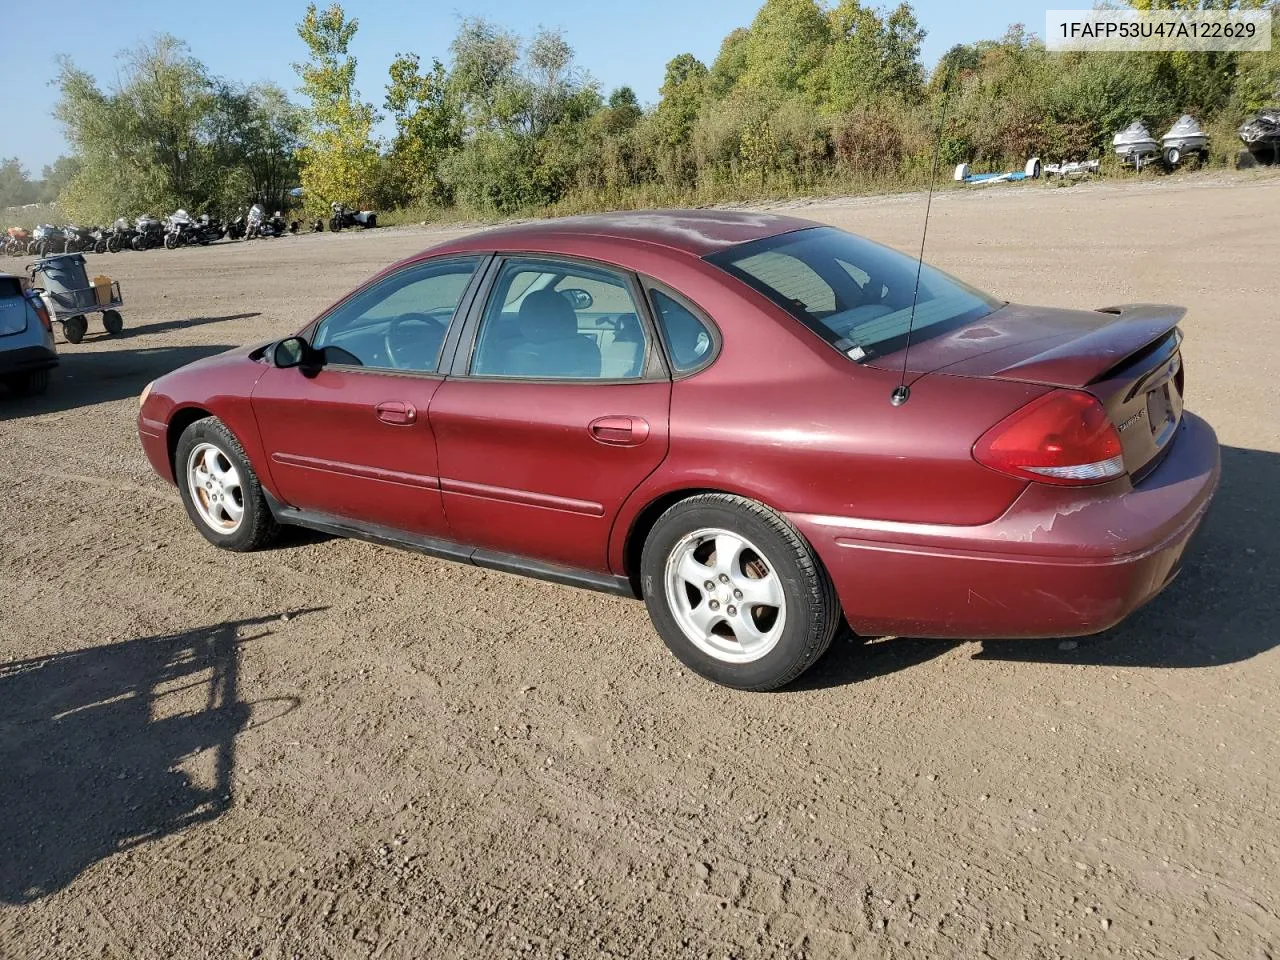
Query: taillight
[
  {"x": 1064, "y": 437},
  {"x": 41, "y": 310}
]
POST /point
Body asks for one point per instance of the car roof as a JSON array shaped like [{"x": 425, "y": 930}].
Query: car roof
[{"x": 695, "y": 232}]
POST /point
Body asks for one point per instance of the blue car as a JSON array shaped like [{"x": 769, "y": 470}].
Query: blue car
[{"x": 27, "y": 351}]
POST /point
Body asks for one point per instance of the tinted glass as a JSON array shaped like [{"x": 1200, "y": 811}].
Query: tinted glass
[
  {"x": 399, "y": 323},
  {"x": 688, "y": 339},
  {"x": 855, "y": 293},
  {"x": 551, "y": 320}
]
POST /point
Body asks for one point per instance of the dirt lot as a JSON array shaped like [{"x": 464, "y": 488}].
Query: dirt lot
[{"x": 336, "y": 750}]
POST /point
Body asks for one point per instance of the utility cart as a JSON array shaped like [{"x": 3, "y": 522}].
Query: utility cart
[{"x": 70, "y": 297}]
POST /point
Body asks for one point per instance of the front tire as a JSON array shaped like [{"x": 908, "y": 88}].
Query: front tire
[
  {"x": 736, "y": 593},
  {"x": 220, "y": 490},
  {"x": 112, "y": 322}
]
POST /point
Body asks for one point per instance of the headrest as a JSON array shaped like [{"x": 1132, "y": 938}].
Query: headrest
[{"x": 545, "y": 316}]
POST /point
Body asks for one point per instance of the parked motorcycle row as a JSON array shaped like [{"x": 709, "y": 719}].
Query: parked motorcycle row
[{"x": 179, "y": 229}]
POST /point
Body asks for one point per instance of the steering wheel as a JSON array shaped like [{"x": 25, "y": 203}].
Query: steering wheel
[{"x": 412, "y": 340}]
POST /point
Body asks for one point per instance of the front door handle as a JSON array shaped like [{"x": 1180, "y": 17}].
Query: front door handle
[
  {"x": 620, "y": 431},
  {"x": 396, "y": 412}
]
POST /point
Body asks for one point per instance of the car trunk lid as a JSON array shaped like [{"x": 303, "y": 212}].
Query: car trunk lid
[
  {"x": 13, "y": 307},
  {"x": 1128, "y": 357}
]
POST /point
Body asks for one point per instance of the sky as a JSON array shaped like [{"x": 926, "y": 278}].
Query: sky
[{"x": 251, "y": 40}]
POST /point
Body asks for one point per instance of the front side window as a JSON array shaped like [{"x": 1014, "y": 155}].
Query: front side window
[
  {"x": 398, "y": 323},
  {"x": 854, "y": 293},
  {"x": 547, "y": 319}
]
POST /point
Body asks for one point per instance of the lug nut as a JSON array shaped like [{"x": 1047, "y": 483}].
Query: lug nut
[
  {"x": 710, "y": 585},
  {"x": 731, "y": 610},
  {"x": 715, "y": 604},
  {"x": 737, "y": 594},
  {"x": 724, "y": 578}
]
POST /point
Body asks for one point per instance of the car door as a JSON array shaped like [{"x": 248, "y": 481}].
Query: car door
[
  {"x": 352, "y": 439},
  {"x": 555, "y": 411}
]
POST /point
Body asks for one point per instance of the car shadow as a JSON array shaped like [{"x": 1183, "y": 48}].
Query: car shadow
[
  {"x": 108, "y": 747},
  {"x": 1223, "y": 608},
  {"x": 147, "y": 329},
  {"x": 91, "y": 377}
]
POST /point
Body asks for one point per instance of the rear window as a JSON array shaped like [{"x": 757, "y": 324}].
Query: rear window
[{"x": 855, "y": 294}]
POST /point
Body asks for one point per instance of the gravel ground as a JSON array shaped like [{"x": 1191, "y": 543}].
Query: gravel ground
[{"x": 332, "y": 749}]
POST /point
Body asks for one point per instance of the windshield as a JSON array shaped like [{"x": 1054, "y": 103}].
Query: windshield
[{"x": 853, "y": 293}]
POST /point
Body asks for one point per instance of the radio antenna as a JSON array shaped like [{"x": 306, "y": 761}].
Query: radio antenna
[{"x": 902, "y": 392}]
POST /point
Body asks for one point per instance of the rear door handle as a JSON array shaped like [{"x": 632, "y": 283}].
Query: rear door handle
[
  {"x": 396, "y": 412},
  {"x": 620, "y": 431}
]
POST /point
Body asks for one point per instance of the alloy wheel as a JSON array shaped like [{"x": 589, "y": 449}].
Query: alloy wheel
[
  {"x": 725, "y": 594},
  {"x": 215, "y": 487}
]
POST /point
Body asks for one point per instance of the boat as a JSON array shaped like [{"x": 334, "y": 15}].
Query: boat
[
  {"x": 1261, "y": 134},
  {"x": 1134, "y": 144},
  {"x": 1184, "y": 137},
  {"x": 1030, "y": 172}
]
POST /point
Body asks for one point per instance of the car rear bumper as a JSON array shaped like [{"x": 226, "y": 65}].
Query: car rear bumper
[
  {"x": 1059, "y": 562},
  {"x": 26, "y": 359}
]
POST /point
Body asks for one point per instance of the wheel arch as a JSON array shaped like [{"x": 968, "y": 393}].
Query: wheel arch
[
  {"x": 179, "y": 420},
  {"x": 637, "y": 531}
]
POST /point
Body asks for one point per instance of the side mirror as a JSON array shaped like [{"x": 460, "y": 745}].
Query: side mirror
[
  {"x": 293, "y": 352},
  {"x": 578, "y": 299}
]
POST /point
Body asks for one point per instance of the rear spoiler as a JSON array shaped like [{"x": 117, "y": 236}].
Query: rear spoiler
[{"x": 1138, "y": 328}]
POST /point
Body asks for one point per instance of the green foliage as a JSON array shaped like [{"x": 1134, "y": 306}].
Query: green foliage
[
  {"x": 429, "y": 120},
  {"x": 814, "y": 95},
  {"x": 169, "y": 135},
  {"x": 16, "y": 188},
  {"x": 339, "y": 158}
]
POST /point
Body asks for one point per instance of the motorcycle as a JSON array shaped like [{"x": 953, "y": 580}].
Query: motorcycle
[
  {"x": 208, "y": 229},
  {"x": 150, "y": 232},
  {"x": 342, "y": 217},
  {"x": 46, "y": 239},
  {"x": 120, "y": 236},
  {"x": 100, "y": 237},
  {"x": 15, "y": 241},
  {"x": 260, "y": 225},
  {"x": 180, "y": 230},
  {"x": 236, "y": 228},
  {"x": 76, "y": 239}
]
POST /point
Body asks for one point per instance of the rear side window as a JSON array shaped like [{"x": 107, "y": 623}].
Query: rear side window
[{"x": 689, "y": 341}]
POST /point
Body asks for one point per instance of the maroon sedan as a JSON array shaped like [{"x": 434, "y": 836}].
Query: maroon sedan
[{"x": 705, "y": 409}]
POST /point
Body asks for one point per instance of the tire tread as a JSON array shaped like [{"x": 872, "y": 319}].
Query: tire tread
[
  {"x": 824, "y": 605},
  {"x": 261, "y": 529}
]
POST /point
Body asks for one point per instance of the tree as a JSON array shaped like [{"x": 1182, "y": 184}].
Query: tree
[
  {"x": 622, "y": 112},
  {"x": 339, "y": 158},
  {"x": 55, "y": 177},
  {"x": 151, "y": 144},
  {"x": 262, "y": 136},
  {"x": 16, "y": 188},
  {"x": 786, "y": 44},
  {"x": 169, "y": 135},
  {"x": 429, "y": 124},
  {"x": 730, "y": 64},
  {"x": 871, "y": 57}
]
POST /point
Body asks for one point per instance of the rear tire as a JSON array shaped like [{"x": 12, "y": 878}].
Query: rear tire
[
  {"x": 700, "y": 601},
  {"x": 30, "y": 384},
  {"x": 255, "y": 526},
  {"x": 74, "y": 328},
  {"x": 112, "y": 321}
]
